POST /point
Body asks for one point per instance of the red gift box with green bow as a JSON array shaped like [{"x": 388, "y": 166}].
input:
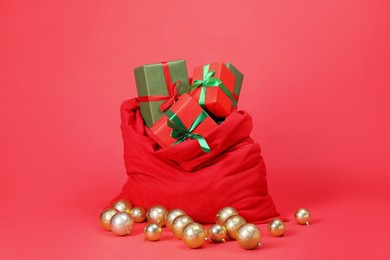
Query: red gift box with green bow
[
  {"x": 184, "y": 120},
  {"x": 213, "y": 88}
]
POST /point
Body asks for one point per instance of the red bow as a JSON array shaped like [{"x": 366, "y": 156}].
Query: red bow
[{"x": 173, "y": 90}]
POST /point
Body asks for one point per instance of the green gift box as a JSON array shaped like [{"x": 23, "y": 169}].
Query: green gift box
[
  {"x": 237, "y": 83},
  {"x": 158, "y": 86}
]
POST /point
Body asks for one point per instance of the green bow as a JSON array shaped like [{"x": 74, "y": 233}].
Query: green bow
[
  {"x": 181, "y": 133},
  {"x": 209, "y": 81}
]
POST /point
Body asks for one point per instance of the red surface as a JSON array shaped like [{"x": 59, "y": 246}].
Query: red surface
[{"x": 316, "y": 82}]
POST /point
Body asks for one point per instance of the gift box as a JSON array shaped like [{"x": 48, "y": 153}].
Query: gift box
[
  {"x": 158, "y": 86},
  {"x": 237, "y": 83},
  {"x": 185, "y": 119},
  {"x": 213, "y": 88}
]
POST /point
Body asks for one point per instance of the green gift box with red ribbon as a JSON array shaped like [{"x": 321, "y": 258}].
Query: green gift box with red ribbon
[
  {"x": 184, "y": 120},
  {"x": 213, "y": 88},
  {"x": 159, "y": 85}
]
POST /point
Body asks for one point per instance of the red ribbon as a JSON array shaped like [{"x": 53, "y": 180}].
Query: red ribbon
[
  {"x": 235, "y": 96},
  {"x": 173, "y": 91}
]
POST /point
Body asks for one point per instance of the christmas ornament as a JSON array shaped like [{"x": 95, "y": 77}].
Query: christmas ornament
[
  {"x": 171, "y": 215},
  {"x": 105, "y": 217},
  {"x": 276, "y": 227},
  {"x": 249, "y": 236},
  {"x": 232, "y": 224},
  {"x": 217, "y": 233},
  {"x": 224, "y": 213},
  {"x": 302, "y": 216},
  {"x": 178, "y": 225},
  {"x": 156, "y": 214},
  {"x": 138, "y": 214},
  {"x": 153, "y": 232},
  {"x": 123, "y": 205},
  {"x": 121, "y": 224},
  {"x": 194, "y": 235}
]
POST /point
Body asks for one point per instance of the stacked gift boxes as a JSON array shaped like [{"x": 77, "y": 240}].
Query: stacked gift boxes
[{"x": 176, "y": 111}]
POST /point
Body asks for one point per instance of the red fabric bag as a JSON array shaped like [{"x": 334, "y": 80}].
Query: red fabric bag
[{"x": 183, "y": 176}]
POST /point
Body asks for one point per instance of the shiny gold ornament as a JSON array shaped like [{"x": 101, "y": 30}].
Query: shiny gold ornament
[
  {"x": 249, "y": 236},
  {"x": 138, "y": 214},
  {"x": 232, "y": 224},
  {"x": 171, "y": 215},
  {"x": 276, "y": 227},
  {"x": 217, "y": 233},
  {"x": 178, "y": 225},
  {"x": 123, "y": 205},
  {"x": 224, "y": 213},
  {"x": 302, "y": 216},
  {"x": 121, "y": 224},
  {"x": 105, "y": 217},
  {"x": 153, "y": 232},
  {"x": 194, "y": 235},
  {"x": 156, "y": 214}
]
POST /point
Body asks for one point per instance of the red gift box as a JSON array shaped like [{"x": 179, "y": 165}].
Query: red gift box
[
  {"x": 188, "y": 111},
  {"x": 213, "y": 88}
]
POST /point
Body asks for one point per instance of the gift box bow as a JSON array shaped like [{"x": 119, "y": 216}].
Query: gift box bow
[
  {"x": 209, "y": 81},
  {"x": 182, "y": 133}
]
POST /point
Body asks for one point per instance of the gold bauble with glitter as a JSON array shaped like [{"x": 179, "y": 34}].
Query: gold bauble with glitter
[
  {"x": 232, "y": 224},
  {"x": 153, "y": 232},
  {"x": 121, "y": 224},
  {"x": 105, "y": 217},
  {"x": 249, "y": 236},
  {"x": 194, "y": 235},
  {"x": 171, "y": 215},
  {"x": 217, "y": 233},
  {"x": 276, "y": 227},
  {"x": 123, "y": 205},
  {"x": 302, "y": 216},
  {"x": 138, "y": 214},
  {"x": 156, "y": 215},
  {"x": 224, "y": 213},
  {"x": 178, "y": 225}
]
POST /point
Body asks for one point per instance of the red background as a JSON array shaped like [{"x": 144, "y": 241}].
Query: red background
[{"x": 317, "y": 77}]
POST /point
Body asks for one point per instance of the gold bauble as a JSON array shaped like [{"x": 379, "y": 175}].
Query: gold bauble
[
  {"x": 156, "y": 215},
  {"x": 194, "y": 235},
  {"x": 171, "y": 215},
  {"x": 302, "y": 216},
  {"x": 232, "y": 224},
  {"x": 249, "y": 236},
  {"x": 224, "y": 213},
  {"x": 152, "y": 232},
  {"x": 105, "y": 217},
  {"x": 123, "y": 205},
  {"x": 217, "y": 233},
  {"x": 121, "y": 224},
  {"x": 276, "y": 227},
  {"x": 138, "y": 214},
  {"x": 178, "y": 225}
]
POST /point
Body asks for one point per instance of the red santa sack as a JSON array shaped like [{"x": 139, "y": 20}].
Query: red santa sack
[{"x": 183, "y": 176}]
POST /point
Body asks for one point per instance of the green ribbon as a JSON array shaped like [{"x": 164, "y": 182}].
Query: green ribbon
[
  {"x": 209, "y": 81},
  {"x": 181, "y": 133}
]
